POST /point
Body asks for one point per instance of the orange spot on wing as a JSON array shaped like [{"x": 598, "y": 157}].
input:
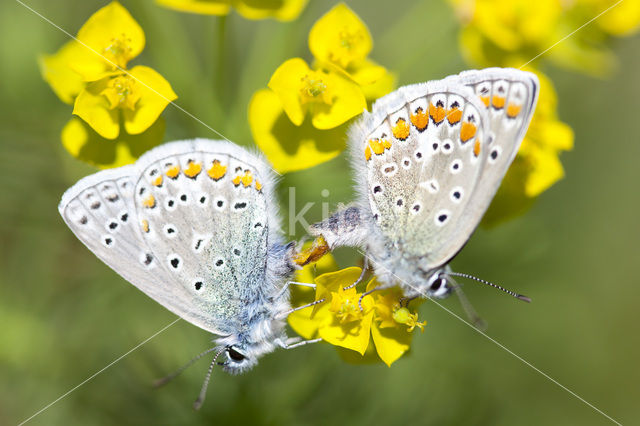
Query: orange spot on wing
[
  {"x": 376, "y": 146},
  {"x": 149, "y": 202},
  {"x": 401, "y": 129},
  {"x": 367, "y": 153},
  {"x": 467, "y": 131},
  {"x": 513, "y": 110},
  {"x": 145, "y": 225},
  {"x": 485, "y": 100},
  {"x": 420, "y": 119},
  {"x": 454, "y": 116},
  {"x": 386, "y": 143},
  {"x": 236, "y": 180},
  {"x": 157, "y": 181},
  {"x": 192, "y": 170},
  {"x": 476, "y": 148},
  {"x": 258, "y": 185},
  {"x": 173, "y": 172},
  {"x": 497, "y": 101},
  {"x": 217, "y": 171},
  {"x": 247, "y": 178},
  {"x": 437, "y": 113}
]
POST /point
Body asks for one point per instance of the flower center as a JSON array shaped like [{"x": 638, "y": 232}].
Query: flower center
[
  {"x": 314, "y": 89},
  {"x": 119, "y": 50},
  {"x": 349, "y": 39},
  {"x": 345, "y": 306},
  {"x": 121, "y": 92}
]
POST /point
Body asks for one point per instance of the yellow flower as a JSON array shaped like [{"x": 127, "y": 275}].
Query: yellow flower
[
  {"x": 536, "y": 166},
  {"x": 290, "y": 147},
  {"x": 137, "y": 98},
  {"x": 330, "y": 98},
  {"x": 113, "y": 37},
  {"x": 283, "y": 10},
  {"x": 341, "y": 40},
  {"x": 339, "y": 320},
  {"x": 340, "y": 37},
  {"x": 91, "y": 73},
  {"x": 500, "y": 32},
  {"x": 85, "y": 144},
  {"x": 393, "y": 323},
  {"x": 55, "y": 69}
]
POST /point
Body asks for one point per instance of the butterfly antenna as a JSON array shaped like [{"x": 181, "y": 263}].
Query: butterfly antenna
[
  {"x": 163, "y": 381},
  {"x": 203, "y": 391},
  {"x": 473, "y": 316},
  {"x": 480, "y": 280}
]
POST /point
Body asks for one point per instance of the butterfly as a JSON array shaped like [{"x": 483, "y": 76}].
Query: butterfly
[
  {"x": 427, "y": 162},
  {"x": 195, "y": 226}
]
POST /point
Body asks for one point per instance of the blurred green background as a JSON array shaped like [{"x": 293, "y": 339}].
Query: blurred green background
[{"x": 64, "y": 315}]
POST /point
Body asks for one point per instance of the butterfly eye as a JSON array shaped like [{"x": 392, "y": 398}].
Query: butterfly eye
[
  {"x": 235, "y": 355},
  {"x": 435, "y": 286}
]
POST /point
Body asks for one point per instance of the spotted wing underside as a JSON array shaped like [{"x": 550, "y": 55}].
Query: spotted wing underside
[{"x": 188, "y": 224}]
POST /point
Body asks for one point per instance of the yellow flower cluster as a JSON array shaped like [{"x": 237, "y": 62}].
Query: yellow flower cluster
[
  {"x": 284, "y": 10},
  {"x": 501, "y": 32},
  {"x": 512, "y": 33},
  {"x": 118, "y": 108},
  {"x": 299, "y": 121},
  {"x": 384, "y": 318}
]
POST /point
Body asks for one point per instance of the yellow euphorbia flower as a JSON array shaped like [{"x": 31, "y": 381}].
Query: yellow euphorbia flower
[
  {"x": 290, "y": 147},
  {"x": 537, "y": 165},
  {"x": 329, "y": 97},
  {"x": 138, "y": 97},
  {"x": 91, "y": 72},
  {"x": 393, "y": 323},
  {"x": 283, "y": 10},
  {"x": 113, "y": 37},
  {"x": 55, "y": 69},
  {"x": 340, "y": 39},
  {"x": 339, "y": 320},
  {"x": 501, "y": 32}
]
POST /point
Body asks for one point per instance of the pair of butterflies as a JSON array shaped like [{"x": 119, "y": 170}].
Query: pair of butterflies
[{"x": 195, "y": 224}]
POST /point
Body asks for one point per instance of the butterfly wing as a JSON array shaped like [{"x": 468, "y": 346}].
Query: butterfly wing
[
  {"x": 189, "y": 224},
  {"x": 419, "y": 156},
  {"x": 510, "y": 98}
]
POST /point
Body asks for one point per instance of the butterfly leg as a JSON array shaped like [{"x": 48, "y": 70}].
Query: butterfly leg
[
  {"x": 290, "y": 311},
  {"x": 359, "y": 280}
]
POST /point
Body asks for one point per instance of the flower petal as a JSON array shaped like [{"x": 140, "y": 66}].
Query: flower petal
[
  {"x": 348, "y": 102},
  {"x": 289, "y": 147},
  {"x": 333, "y": 281},
  {"x": 340, "y": 37},
  {"x": 391, "y": 343},
  {"x": 354, "y": 335},
  {"x": 206, "y": 7},
  {"x": 85, "y": 144},
  {"x": 155, "y": 95},
  {"x": 93, "y": 108},
  {"x": 113, "y": 33},
  {"x": 284, "y": 10},
  {"x": 55, "y": 69},
  {"x": 285, "y": 82}
]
